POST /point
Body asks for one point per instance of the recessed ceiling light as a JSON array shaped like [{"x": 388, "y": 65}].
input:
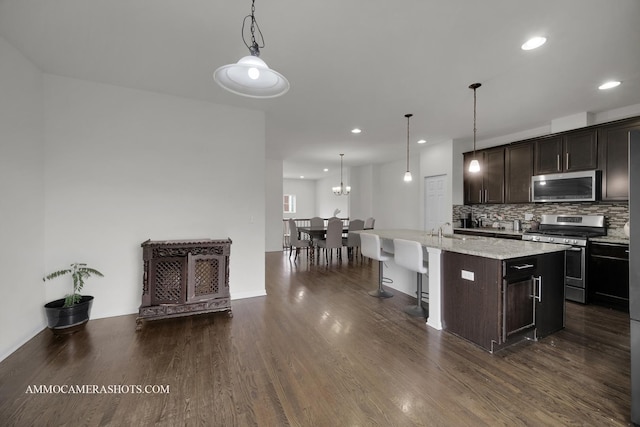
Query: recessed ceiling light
[
  {"x": 533, "y": 43},
  {"x": 356, "y": 130},
  {"x": 422, "y": 141},
  {"x": 301, "y": 176},
  {"x": 325, "y": 170},
  {"x": 609, "y": 85}
]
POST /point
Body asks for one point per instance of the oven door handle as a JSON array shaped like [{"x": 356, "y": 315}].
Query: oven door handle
[{"x": 575, "y": 249}]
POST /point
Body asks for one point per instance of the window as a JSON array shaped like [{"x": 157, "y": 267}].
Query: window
[{"x": 289, "y": 203}]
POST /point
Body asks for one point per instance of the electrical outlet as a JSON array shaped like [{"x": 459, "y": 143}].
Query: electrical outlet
[{"x": 468, "y": 275}]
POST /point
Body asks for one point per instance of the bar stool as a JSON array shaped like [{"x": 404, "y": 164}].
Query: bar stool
[
  {"x": 371, "y": 248},
  {"x": 408, "y": 254}
]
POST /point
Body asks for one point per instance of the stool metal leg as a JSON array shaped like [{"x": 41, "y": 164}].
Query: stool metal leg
[
  {"x": 380, "y": 292},
  {"x": 417, "y": 310}
]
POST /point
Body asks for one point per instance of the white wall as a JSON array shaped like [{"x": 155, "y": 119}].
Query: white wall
[
  {"x": 396, "y": 203},
  {"x": 124, "y": 166},
  {"x": 305, "y": 192},
  {"x": 21, "y": 199},
  {"x": 361, "y": 201},
  {"x": 273, "y": 205},
  {"x": 327, "y": 202}
]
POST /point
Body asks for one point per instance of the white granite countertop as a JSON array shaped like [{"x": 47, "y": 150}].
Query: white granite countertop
[
  {"x": 490, "y": 230},
  {"x": 487, "y": 247}
]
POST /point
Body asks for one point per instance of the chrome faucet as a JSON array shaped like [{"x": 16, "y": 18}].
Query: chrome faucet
[{"x": 440, "y": 229}]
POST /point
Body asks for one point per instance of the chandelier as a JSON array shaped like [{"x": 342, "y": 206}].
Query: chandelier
[
  {"x": 342, "y": 190},
  {"x": 251, "y": 76}
]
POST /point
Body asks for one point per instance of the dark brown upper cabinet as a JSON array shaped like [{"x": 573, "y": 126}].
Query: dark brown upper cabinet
[
  {"x": 518, "y": 169},
  {"x": 613, "y": 159},
  {"x": 486, "y": 186},
  {"x": 571, "y": 152}
]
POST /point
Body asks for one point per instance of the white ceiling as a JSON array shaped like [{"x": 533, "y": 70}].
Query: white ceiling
[{"x": 352, "y": 63}]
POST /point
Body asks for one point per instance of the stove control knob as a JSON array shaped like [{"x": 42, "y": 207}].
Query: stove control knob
[
  {"x": 566, "y": 241},
  {"x": 551, "y": 239},
  {"x": 535, "y": 238},
  {"x": 574, "y": 241}
]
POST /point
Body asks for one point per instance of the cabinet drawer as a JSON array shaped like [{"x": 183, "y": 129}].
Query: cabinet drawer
[
  {"x": 521, "y": 267},
  {"x": 609, "y": 250}
]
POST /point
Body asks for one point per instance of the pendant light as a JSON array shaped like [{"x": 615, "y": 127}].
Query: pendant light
[
  {"x": 342, "y": 190},
  {"x": 474, "y": 166},
  {"x": 251, "y": 76},
  {"x": 407, "y": 174}
]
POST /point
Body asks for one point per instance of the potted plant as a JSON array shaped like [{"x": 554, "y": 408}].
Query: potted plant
[{"x": 69, "y": 314}]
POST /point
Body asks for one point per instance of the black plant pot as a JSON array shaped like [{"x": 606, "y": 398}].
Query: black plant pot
[{"x": 67, "y": 320}]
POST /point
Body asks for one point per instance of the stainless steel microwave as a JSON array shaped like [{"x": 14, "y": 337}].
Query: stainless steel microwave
[{"x": 566, "y": 187}]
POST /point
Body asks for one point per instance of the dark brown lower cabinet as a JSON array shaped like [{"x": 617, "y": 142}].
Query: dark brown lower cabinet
[
  {"x": 609, "y": 275},
  {"x": 495, "y": 303}
]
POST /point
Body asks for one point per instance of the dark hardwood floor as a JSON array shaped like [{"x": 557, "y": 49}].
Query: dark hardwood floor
[{"x": 318, "y": 351}]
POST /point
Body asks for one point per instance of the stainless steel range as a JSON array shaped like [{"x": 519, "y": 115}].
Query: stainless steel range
[{"x": 574, "y": 230}]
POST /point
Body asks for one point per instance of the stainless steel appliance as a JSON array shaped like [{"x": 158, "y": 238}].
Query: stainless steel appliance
[
  {"x": 573, "y": 230},
  {"x": 634, "y": 271},
  {"x": 566, "y": 187}
]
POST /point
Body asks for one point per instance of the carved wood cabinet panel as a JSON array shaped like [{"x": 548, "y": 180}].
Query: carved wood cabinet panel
[{"x": 184, "y": 277}]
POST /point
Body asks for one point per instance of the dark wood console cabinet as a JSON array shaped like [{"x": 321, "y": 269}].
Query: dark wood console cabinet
[{"x": 184, "y": 277}]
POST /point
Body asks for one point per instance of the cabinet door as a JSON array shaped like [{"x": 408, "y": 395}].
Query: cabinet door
[
  {"x": 472, "y": 180},
  {"x": 609, "y": 275},
  {"x": 167, "y": 280},
  {"x": 580, "y": 151},
  {"x": 613, "y": 160},
  {"x": 550, "y": 298},
  {"x": 518, "y": 172},
  {"x": 548, "y": 155},
  {"x": 206, "y": 277},
  {"x": 493, "y": 176},
  {"x": 518, "y": 306}
]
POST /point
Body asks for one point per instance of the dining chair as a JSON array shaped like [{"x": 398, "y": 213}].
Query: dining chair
[
  {"x": 369, "y": 223},
  {"x": 318, "y": 222},
  {"x": 295, "y": 241},
  {"x": 352, "y": 241},
  {"x": 333, "y": 239}
]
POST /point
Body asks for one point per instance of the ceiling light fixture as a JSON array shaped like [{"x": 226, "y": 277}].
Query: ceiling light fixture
[
  {"x": 533, "y": 43},
  {"x": 407, "y": 174},
  {"x": 356, "y": 130},
  {"x": 251, "y": 76},
  {"x": 342, "y": 190},
  {"x": 474, "y": 166},
  {"x": 422, "y": 141},
  {"x": 609, "y": 85}
]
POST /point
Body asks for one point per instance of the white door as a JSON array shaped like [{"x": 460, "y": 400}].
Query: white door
[{"x": 435, "y": 210}]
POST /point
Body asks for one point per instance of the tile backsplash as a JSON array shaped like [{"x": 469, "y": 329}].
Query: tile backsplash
[{"x": 616, "y": 214}]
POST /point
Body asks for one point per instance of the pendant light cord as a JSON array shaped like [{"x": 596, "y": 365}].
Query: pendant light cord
[{"x": 408, "y": 116}]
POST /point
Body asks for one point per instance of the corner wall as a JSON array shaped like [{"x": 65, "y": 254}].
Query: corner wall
[{"x": 21, "y": 199}]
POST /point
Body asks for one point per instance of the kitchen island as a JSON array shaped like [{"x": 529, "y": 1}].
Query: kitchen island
[{"x": 487, "y": 290}]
